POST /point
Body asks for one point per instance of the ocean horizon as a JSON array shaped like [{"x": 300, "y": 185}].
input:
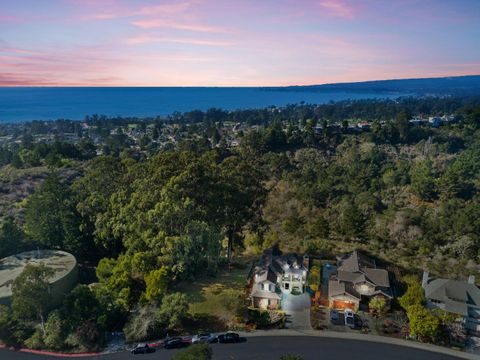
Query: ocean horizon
[{"x": 22, "y": 104}]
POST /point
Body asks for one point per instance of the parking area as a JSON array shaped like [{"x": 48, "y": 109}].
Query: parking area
[{"x": 335, "y": 321}]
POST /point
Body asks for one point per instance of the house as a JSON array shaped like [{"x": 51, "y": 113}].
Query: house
[
  {"x": 364, "y": 125},
  {"x": 456, "y": 297},
  {"x": 357, "y": 280},
  {"x": 277, "y": 274},
  {"x": 435, "y": 121}
]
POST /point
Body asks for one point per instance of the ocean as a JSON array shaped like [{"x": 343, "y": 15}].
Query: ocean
[{"x": 20, "y": 104}]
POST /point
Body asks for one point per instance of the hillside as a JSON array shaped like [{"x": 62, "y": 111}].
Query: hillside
[{"x": 456, "y": 85}]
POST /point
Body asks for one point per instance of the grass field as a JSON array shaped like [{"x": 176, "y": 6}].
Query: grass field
[{"x": 214, "y": 300}]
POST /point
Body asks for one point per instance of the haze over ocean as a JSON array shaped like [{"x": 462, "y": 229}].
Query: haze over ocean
[{"x": 20, "y": 104}]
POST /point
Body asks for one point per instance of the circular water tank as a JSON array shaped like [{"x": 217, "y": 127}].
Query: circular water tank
[{"x": 61, "y": 282}]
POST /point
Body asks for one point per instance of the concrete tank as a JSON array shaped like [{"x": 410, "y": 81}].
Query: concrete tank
[{"x": 61, "y": 282}]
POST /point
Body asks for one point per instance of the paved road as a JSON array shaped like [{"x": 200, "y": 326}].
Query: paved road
[{"x": 266, "y": 348}]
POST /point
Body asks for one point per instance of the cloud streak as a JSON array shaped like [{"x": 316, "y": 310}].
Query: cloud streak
[{"x": 338, "y": 8}]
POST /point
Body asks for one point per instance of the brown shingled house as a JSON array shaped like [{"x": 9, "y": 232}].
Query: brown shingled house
[{"x": 357, "y": 280}]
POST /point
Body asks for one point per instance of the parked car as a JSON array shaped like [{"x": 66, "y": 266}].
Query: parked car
[
  {"x": 229, "y": 337},
  {"x": 334, "y": 315},
  {"x": 175, "y": 343},
  {"x": 349, "y": 318},
  {"x": 205, "y": 338},
  {"x": 358, "y": 322},
  {"x": 142, "y": 349}
]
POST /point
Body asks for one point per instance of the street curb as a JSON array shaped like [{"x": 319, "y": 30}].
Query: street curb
[
  {"x": 51, "y": 353},
  {"x": 362, "y": 337}
]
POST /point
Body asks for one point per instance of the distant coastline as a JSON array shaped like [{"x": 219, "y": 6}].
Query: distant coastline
[{"x": 20, "y": 104}]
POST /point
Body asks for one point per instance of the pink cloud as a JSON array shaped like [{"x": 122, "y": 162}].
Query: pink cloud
[
  {"x": 165, "y": 23},
  {"x": 161, "y": 9},
  {"x": 146, "y": 39},
  {"x": 338, "y": 8}
]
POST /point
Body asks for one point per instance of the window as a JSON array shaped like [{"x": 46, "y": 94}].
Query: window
[{"x": 287, "y": 286}]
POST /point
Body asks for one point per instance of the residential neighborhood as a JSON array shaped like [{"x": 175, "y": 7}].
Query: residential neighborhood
[{"x": 349, "y": 285}]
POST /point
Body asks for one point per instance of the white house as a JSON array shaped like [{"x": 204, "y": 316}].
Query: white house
[{"x": 278, "y": 274}]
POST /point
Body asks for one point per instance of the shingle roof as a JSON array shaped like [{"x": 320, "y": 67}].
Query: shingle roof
[
  {"x": 265, "y": 294},
  {"x": 379, "y": 277},
  {"x": 262, "y": 275},
  {"x": 336, "y": 287},
  {"x": 456, "y": 295},
  {"x": 354, "y": 261},
  {"x": 353, "y": 277}
]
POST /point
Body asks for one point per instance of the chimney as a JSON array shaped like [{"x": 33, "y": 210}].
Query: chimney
[
  {"x": 471, "y": 279},
  {"x": 425, "y": 279},
  {"x": 306, "y": 261}
]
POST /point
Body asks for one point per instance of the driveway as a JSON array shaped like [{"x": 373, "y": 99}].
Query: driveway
[{"x": 297, "y": 309}]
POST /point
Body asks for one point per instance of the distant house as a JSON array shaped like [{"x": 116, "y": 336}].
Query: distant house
[
  {"x": 357, "y": 279},
  {"x": 417, "y": 121},
  {"x": 276, "y": 274},
  {"x": 363, "y": 125},
  {"x": 435, "y": 121},
  {"x": 456, "y": 297}
]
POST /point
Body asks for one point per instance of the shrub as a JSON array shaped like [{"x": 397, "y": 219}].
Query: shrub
[{"x": 143, "y": 324}]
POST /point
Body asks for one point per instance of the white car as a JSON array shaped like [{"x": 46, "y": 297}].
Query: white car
[
  {"x": 349, "y": 318},
  {"x": 205, "y": 338}
]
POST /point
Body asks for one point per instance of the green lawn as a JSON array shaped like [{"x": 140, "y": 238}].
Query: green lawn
[{"x": 214, "y": 300}]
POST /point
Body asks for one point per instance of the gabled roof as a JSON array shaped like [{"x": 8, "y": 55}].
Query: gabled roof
[
  {"x": 356, "y": 268},
  {"x": 265, "y": 294},
  {"x": 354, "y": 262},
  {"x": 336, "y": 287},
  {"x": 379, "y": 277},
  {"x": 262, "y": 275},
  {"x": 456, "y": 295},
  {"x": 273, "y": 263}
]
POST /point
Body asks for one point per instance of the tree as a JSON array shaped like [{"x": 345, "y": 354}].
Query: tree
[
  {"x": 242, "y": 196},
  {"x": 195, "y": 352},
  {"x": 423, "y": 181},
  {"x": 31, "y": 295},
  {"x": 156, "y": 284},
  {"x": 55, "y": 331},
  {"x": 379, "y": 305},
  {"x": 402, "y": 125},
  {"x": 80, "y": 305},
  {"x": 51, "y": 219},
  {"x": 143, "y": 324},
  {"x": 8, "y": 327},
  {"x": 173, "y": 311},
  {"x": 86, "y": 337},
  {"x": 11, "y": 238},
  {"x": 414, "y": 294},
  {"x": 422, "y": 322},
  {"x": 103, "y": 178}
]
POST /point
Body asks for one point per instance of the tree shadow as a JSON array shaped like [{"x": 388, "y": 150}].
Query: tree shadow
[{"x": 205, "y": 323}]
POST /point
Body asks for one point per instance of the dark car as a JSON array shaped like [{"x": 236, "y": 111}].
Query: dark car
[
  {"x": 229, "y": 338},
  {"x": 334, "y": 315},
  {"x": 175, "y": 343},
  {"x": 358, "y": 322},
  {"x": 142, "y": 349}
]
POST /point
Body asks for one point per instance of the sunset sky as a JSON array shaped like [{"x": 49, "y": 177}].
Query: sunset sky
[{"x": 234, "y": 42}]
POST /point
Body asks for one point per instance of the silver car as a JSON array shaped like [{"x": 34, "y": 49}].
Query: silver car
[{"x": 205, "y": 338}]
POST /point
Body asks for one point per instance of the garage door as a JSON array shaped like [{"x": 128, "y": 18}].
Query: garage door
[{"x": 341, "y": 305}]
